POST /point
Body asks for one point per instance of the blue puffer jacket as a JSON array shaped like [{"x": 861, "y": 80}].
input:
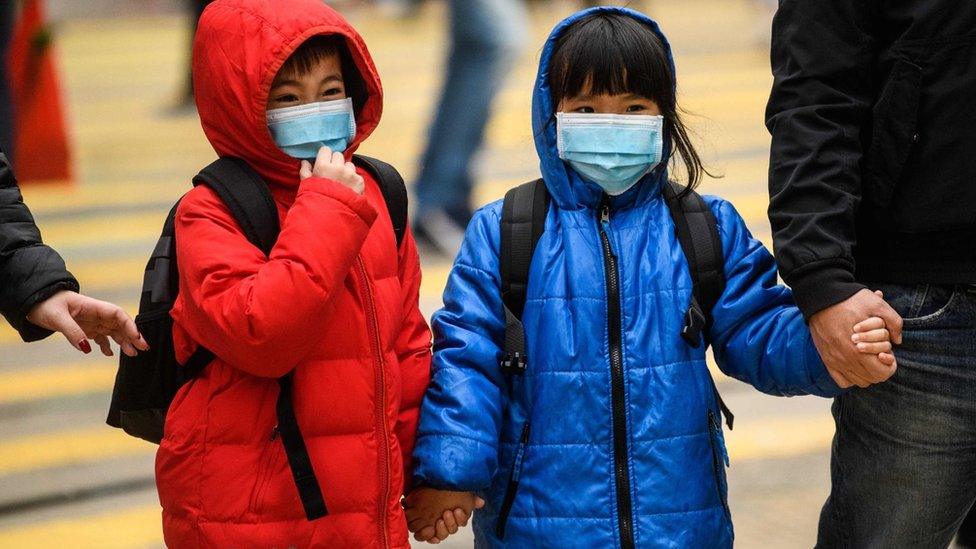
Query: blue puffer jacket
[{"x": 603, "y": 454}]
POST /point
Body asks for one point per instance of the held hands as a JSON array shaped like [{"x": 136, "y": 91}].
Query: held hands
[
  {"x": 333, "y": 165},
  {"x": 433, "y": 515},
  {"x": 864, "y": 357},
  {"x": 81, "y": 318}
]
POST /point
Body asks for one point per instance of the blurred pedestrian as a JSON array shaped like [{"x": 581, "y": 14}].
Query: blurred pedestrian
[
  {"x": 486, "y": 37},
  {"x": 7, "y": 15},
  {"x": 872, "y": 182},
  {"x": 38, "y": 296},
  {"x": 184, "y": 101}
]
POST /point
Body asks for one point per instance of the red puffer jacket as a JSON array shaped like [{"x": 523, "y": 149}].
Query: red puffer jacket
[{"x": 335, "y": 302}]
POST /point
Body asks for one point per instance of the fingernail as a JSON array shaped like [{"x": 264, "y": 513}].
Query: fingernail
[
  {"x": 84, "y": 346},
  {"x": 856, "y": 337},
  {"x": 861, "y": 346}
]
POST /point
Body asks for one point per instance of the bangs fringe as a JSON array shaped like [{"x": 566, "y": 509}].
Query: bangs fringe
[
  {"x": 309, "y": 54},
  {"x": 611, "y": 54}
]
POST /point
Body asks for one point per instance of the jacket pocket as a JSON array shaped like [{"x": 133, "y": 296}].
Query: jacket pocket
[
  {"x": 513, "y": 482},
  {"x": 264, "y": 473},
  {"x": 893, "y": 131},
  {"x": 720, "y": 458}
]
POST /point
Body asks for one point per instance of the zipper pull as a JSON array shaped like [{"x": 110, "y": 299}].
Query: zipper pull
[
  {"x": 605, "y": 214},
  {"x": 274, "y": 433}
]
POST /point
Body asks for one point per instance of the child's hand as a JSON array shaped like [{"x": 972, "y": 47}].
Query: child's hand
[
  {"x": 433, "y": 515},
  {"x": 332, "y": 165},
  {"x": 871, "y": 337}
]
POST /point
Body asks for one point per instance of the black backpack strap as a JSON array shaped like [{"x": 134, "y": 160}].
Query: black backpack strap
[
  {"x": 298, "y": 459},
  {"x": 248, "y": 198},
  {"x": 393, "y": 189},
  {"x": 697, "y": 231},
  {"x": 250, "y": 202},
  {"x": 522, "y": 224}
]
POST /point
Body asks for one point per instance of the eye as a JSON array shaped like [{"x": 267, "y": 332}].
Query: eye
[
  {"x": 586, "y": 109},
  {"x": 286, "y": 98},
  {"x": 331, "y": 91},
  {"x": 636, "y": 108}
]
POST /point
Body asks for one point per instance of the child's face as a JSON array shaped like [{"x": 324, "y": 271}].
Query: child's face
[
  {"x": 322, "y": 83},
  {"x": 623, "y": 103}
]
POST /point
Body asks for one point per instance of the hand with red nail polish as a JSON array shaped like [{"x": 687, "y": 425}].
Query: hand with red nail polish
[{"x": 81, "y": 318}]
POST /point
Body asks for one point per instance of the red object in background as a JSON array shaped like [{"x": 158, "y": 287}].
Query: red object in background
[{"x": 40, "y": 136}]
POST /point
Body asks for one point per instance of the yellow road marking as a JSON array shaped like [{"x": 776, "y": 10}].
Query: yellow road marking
[
  {"x": 60, "y": 381},
  {"x": 65, "y": 448},
  {"x": 780, "y": 438},
  {"x": 110, "y": 274},
  {"x": 104, "y": 232},
  {"x": 50, "y": 199},
  {"x": 120, "y": 528}
]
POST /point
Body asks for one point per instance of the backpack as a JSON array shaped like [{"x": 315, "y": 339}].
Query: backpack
[
  {"x": 146, "y": 384},
  {"x": 523, "y": 221}
]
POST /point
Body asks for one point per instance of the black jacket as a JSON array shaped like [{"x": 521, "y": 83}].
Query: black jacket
[
  {"x": 872, "y": 173},
  {"x": 29, "y": 271}
]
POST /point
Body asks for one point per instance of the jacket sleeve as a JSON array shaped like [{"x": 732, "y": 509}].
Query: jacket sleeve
[
  {"x": 254, "y": 311},
  {"x": 822, "y": 97},
  {"x": 758, "y": 335},
  {"x": 413, "y": 353},
  {"x": 30, "y": 272},
  {"x": 457, "y": 442}
]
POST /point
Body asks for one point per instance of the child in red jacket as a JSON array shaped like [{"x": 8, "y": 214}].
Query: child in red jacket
[{"x": 289, "y": 87}]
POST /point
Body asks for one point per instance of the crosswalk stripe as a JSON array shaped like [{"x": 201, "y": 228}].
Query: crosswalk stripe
[
  {"x": 780, "y": 438},
  {"x": 64, "y": 448},
  {"x": 123, "y": 528},
  {"x": 44, "y": 200},
  {"x": 53, "y": 382}
]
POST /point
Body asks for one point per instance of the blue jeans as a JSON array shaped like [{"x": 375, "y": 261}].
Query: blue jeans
[
  {"x": 903, "y": 464},
  {"x": 486, "y": 36}
]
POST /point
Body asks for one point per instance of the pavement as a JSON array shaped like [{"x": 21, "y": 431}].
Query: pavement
[{"x": 67, "y": 480}]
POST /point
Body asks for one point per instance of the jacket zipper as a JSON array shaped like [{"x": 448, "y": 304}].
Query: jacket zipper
[
  {"x": 384, "y": 461},
  {"x": 513, "y": 482},
  {"x": 625, "y": 517},
  {"x": 264, "y": 477},
  {"x": 718, "y": 458}
]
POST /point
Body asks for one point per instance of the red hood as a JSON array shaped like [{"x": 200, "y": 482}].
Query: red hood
[{"x": 238, "y": 49}]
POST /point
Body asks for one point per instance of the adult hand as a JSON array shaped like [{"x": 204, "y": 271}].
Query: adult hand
[
  {"x": 81, "y": 318},
  {"x": 332, "y": 165},
  {"x": 832, "y": 329}
]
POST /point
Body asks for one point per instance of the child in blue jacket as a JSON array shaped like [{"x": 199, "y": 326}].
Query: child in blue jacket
[{"x": 612, "y": 437}]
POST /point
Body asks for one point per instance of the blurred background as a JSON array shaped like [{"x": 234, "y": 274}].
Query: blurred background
[{"x": 105, "y": 155}]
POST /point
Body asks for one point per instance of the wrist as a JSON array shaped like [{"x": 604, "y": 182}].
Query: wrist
[{"x": 818, "y": 288}]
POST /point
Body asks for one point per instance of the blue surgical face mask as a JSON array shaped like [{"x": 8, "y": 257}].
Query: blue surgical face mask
[
  {"x": 612, "y": 150},
  {"x": 302, "y": 130}
]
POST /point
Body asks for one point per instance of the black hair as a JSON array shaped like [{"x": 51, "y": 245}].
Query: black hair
[
  {"x": 613, "y": 53},
  {"x": 319, "y": 47}
]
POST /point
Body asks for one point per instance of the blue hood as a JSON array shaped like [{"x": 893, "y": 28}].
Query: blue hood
[{"x": 568, "y": 189}]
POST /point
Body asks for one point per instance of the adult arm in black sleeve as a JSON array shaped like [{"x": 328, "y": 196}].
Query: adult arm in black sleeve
[
  {"x": 30, "y": 272},
  {"x": 822, "y": 57}
]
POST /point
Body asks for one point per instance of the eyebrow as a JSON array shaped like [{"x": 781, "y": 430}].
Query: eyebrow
[
  {"x": 332, "y": 78},
  {"x": 292, "y": 82}
]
